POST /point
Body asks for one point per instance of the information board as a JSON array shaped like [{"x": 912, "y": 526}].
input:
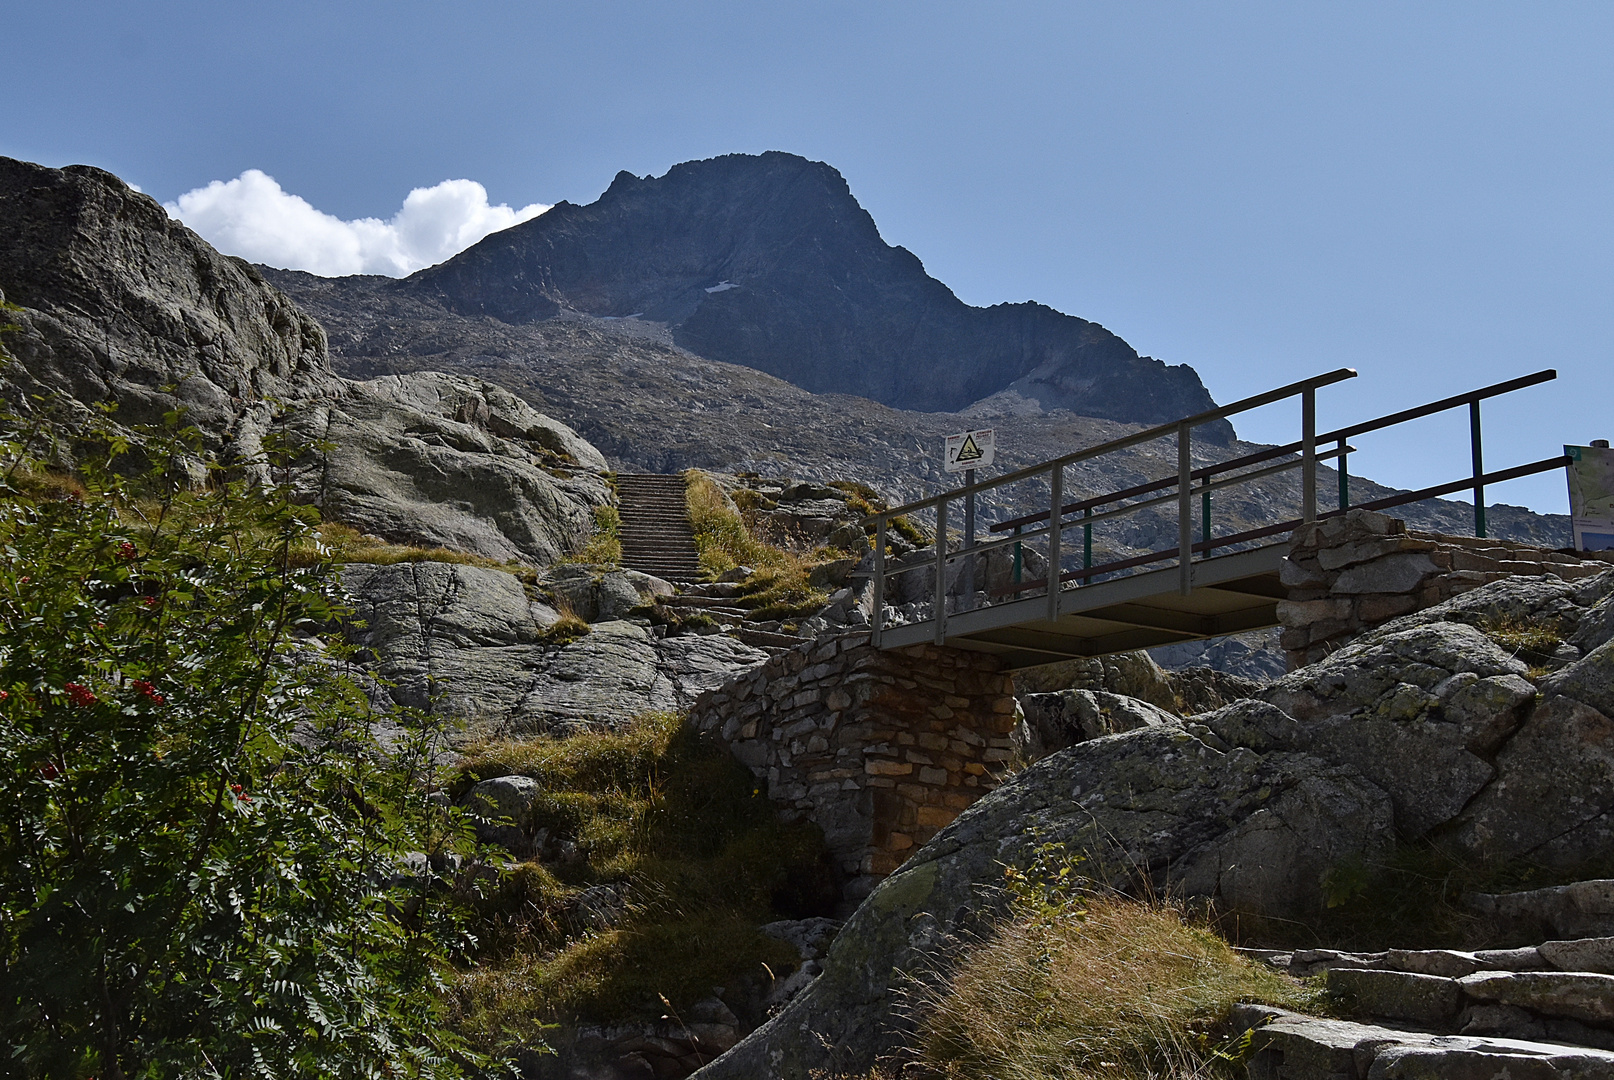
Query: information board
[{"x": 1591, "y": 497}]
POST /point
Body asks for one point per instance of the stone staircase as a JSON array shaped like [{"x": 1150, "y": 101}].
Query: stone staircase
[
  {"x": 1545, "y": 1011},
  {"x": 716, "y": 600},
  {"x": 655, "y": 532}
]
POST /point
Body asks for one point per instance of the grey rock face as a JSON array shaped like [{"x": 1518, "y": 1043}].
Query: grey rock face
[
  {"x": 503, "y": 808},
  {"x": 120, "y": 301},
  {"x": 1156, "y": 800},
  {"x": 1554, "y": 797},
  {"x": 1054, "y": 721},
  {"x": 1416, "y": 709},
  {"x": 593, "y": 595},
  {"x": 466, "y": 641},
  {"x": 418, "y": 459},
  {"x": 121, "y": 304}
]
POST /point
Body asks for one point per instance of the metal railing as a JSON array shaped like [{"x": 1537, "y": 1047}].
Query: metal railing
[{"x": 1050, "y": 525}]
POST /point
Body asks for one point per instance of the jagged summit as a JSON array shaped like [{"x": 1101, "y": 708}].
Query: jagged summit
[{"x": 768, "y": 261}]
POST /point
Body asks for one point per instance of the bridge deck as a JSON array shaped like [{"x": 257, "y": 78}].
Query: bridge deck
[{"x": 1231, "y": 593}]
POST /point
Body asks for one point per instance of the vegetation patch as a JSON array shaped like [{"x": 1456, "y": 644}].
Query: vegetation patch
[
  {"x": 779, "y": 586},
  {"x": 660, "y": 858},
  {"x": 1097, "y": 986},
  {"x": 1530, "y": 641},
  {"x": 604, "y": 547},
  {"x": 333, "y": 542},
  {"x": 866, "y": 501}
]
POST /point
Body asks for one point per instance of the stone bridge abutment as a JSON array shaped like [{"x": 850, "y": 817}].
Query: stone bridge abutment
[{"x": 881, "y": 748}]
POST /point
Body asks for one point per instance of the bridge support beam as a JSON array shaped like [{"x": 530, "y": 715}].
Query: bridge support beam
[{"x": 880, "y": 748}]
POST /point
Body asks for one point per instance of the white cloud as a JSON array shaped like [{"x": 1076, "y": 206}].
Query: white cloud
[{"x": 253, "y": 217}]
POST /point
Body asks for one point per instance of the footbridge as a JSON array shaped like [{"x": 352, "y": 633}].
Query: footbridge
[{"x": 1205, "y": 585}]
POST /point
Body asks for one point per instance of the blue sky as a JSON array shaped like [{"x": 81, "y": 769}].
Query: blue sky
[{"x": 1261, "y": 190}]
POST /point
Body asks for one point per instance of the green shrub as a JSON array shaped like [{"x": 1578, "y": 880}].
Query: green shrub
[{"x": 202, "y": 848}]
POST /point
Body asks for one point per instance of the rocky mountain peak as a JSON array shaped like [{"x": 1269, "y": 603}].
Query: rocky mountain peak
[{"x": 769, "y": 261}]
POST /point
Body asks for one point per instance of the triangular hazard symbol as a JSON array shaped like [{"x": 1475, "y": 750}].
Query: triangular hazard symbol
[{"x": 969, "y": 451}]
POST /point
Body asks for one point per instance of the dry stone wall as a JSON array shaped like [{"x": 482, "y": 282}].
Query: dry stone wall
[
  {"x": 1350, "y": 573},
  {"x": 880, "y": 748}
]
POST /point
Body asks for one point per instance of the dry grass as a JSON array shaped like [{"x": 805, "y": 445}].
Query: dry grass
[
  {"x": 1102, "y": 986},
  {"x": 1530, "y": 641},
  {"x": 568, "y": 628},
  {"x": 864, "y": 500},
  {"x": 778, "y": 587},
  {"x": 344, "y": 544},
  {"x": 721, "y": 535}
]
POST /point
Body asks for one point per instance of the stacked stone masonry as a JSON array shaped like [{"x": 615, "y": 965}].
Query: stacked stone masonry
[
  {"x": 880, "y": 748},
  {"x": 1350, "y": 573}
]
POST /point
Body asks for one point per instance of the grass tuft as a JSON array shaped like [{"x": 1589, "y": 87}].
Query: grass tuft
[
  {"x": 1531, "y": 641},
  {"x": 1097, "y": 986},
  {"x": 345, "y": 544},
  {"x": 604, "y": 547}
]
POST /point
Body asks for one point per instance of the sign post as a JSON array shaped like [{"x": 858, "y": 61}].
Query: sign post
[
  {"x": 965, "y": 452},
  {"x": 1591, "y": 495}
]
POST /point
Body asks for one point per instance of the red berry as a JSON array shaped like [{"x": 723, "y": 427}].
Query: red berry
[
  {"x": 80, "y": 695},
  {"x": 150, "y": 601},
  {"x": 126, "y": 550},
  {"x": 148, "y": 691},
  {"x": 236, "y": 788}
]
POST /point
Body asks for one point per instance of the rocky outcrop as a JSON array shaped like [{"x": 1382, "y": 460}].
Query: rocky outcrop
[
  {"x": 123, "y": 306},
  {"x": 1052, "y": 722},
  {"x": 121, "y": 303},
  {"x": 1437, "y": 709},
  {"x": 1136, "y": 675},
  {"x": 768, "y": 261},
  {"x": 469, "y": 642}
]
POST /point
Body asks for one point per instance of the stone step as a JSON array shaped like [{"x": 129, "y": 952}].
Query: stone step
[
  {"x": 722, "y": 590},
  {"x": 1595, "y": 954},
  {"x": 1578, "y": 910},
  {"x": 1290, "y": 1046},
  {"x": 1564, "y": 1006},
  {"x": 654, "y": 531},
  {"x": 763, "y": 639},
  {"x": 687, "y": 599}
]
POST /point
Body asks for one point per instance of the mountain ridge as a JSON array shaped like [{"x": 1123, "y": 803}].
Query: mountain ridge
[{"x": 769, "y": 261}]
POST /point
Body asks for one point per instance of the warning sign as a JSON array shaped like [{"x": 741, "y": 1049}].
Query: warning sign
[{"x": 970, "y": 450}]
